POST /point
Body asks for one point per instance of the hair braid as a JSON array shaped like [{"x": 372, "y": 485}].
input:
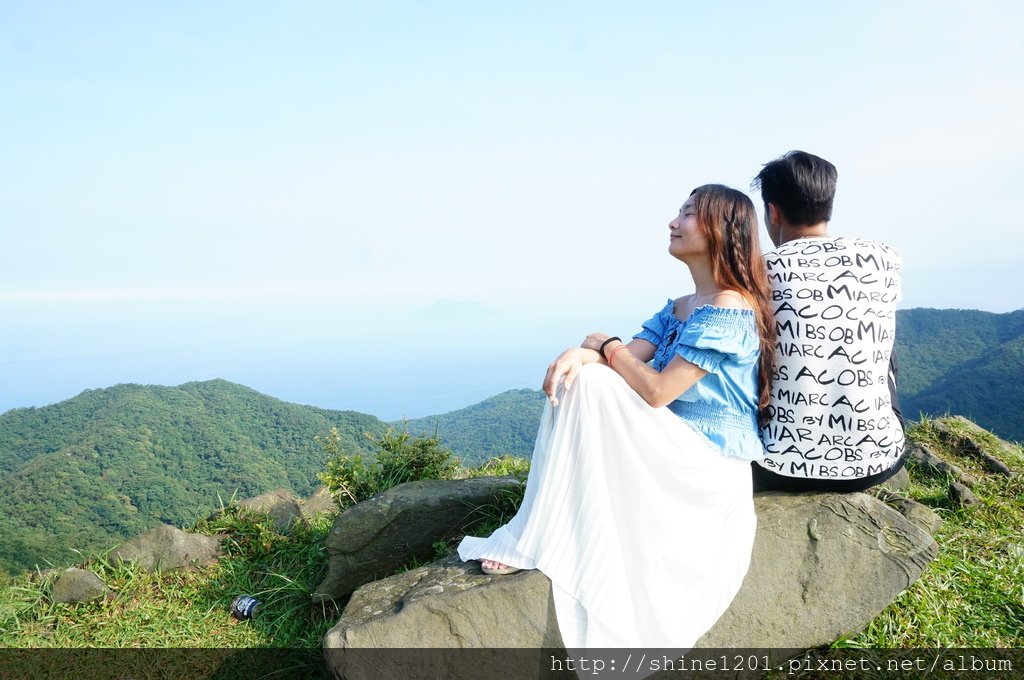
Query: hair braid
[{"x": 730, "y": 225}]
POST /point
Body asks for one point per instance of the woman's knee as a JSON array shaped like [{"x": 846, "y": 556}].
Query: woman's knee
[
  {"x": 598, "y": 376},
  {"x": 596, "y": 372}
]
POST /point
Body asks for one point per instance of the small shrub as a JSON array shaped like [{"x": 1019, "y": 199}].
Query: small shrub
[{"x": 400, "y": 458}]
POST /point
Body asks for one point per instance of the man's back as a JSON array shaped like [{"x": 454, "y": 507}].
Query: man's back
[{"x": 832, "y": 412}]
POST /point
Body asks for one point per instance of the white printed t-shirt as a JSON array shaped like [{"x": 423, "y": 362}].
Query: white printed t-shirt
[{"x": 834, "y": 300}]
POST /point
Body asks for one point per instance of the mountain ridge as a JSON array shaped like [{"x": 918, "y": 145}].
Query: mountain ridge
[
  {"x": 113, "y": 462},
  {"x": 966, "y": 362}
]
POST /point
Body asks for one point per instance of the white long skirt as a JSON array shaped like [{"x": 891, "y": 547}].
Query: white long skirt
[{"x": 643, "y": 526}]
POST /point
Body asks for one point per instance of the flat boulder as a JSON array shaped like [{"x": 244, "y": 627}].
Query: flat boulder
[
  {"x": 823, "y": 565},
  {"x": 279, "y": 505},
  {"x": 79, "y": 585},
  {"x": 167, "y": 548},
  {"x": 381, "y": 534},
  {"x": 449, "y": 603}
]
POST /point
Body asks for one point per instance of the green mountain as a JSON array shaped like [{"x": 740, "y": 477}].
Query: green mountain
[
  {"x": 112, "y": 463},
  {"x": 504, "y": 424},
  {"x": 958, "y": 361},
  {"x": 964, "y": 362}
]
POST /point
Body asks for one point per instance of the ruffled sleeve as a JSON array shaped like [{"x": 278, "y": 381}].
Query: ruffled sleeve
[
  {"x": 715, "y": 334},
  {"x": 655, "y": 328}
]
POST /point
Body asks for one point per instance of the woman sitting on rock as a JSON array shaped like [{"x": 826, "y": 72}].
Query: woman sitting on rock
[{"x": 642, "y": 515}]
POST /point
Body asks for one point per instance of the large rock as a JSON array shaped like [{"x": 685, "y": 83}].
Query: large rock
[
  {"x": 823, "y": 566},
  {"x": 78, "y": 585},
  {"x": 383, "y": 533},
  {"x": 279, "y": 505},
  {"x": 166, "y": 548}
]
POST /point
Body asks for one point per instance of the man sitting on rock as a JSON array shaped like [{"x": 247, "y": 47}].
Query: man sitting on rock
[{"x": 835, "y": 421}]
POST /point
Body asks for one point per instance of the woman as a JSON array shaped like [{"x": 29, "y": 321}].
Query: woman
[{"x": 640, "y": 515}]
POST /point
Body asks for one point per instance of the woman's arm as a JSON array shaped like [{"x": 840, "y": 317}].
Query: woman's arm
[
  {"x": 657, "y": 389},
  {"x": 569, "y": 362}
]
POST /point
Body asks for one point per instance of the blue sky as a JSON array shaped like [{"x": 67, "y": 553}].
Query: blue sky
[{"x": 403, "y": 208}]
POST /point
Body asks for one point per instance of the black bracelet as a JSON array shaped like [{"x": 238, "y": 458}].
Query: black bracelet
[{"x": 605, "y": 344}]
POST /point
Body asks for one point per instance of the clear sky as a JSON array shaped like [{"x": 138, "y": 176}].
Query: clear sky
[{"x": 405, "y": 207}]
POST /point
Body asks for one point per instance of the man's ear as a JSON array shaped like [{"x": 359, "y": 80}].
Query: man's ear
[{"x": 772, "y": 213}]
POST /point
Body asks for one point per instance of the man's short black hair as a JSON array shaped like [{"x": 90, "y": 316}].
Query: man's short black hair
[{"x": 801, "y": 185}]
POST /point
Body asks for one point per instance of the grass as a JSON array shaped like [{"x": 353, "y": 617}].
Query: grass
[
  {"x": 190, "y": 609},
  {"x": 184, "y": 608},
  {"x": 970, "y": 596}
]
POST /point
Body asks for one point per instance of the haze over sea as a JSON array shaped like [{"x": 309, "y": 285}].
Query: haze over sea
[{"x": 404, "y": 208}]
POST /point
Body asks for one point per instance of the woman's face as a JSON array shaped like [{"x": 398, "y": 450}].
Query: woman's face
[{"x": 686, "y": 238}]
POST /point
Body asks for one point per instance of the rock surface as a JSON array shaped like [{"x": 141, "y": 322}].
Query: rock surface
[
  {"x": 279, "y": 505},
  {"x": 450, "y": 603},
  {"x": 898, "y": 482},
  {"x": 321, "y": 502},
  {"x": 379, "y": 535},
  {"x": 932, "y": 462},
  {"x": 962, "y": 496},
  {"x": 967, "y": 437},
  {"x": 823, "y": 566},
  {"x": 918, "y": 513},
  {"x": 166, "y": 548},
  {"x": 78, "y": 585}
]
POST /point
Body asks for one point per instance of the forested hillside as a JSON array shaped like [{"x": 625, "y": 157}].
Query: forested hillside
[
  {"x": 114, "y": 462},
  {"x": 504, "y": 424},
  {"x": 963, "y": 362}
]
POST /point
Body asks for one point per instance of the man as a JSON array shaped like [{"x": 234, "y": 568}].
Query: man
[{"x": 835, "y": 423}]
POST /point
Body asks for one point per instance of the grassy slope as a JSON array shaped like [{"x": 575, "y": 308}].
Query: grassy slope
[
  {"x": 972, "y": 595},
  {"x": 184, "y": 608}
]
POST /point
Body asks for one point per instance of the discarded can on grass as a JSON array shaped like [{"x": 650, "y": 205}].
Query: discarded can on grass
[{"x": 245, "y": 607}]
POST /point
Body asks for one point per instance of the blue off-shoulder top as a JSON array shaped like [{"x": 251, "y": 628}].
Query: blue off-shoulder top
[{"x": 724, "y": 342}]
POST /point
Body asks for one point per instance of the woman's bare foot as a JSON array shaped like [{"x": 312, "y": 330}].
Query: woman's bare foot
[{"x": 496, "y": 568}]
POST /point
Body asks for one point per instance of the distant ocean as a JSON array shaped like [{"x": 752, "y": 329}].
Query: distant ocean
[{"x": 420, "y": 362}]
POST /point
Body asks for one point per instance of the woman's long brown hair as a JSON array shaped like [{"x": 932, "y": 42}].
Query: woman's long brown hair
[{"x": 729, "y": 222}]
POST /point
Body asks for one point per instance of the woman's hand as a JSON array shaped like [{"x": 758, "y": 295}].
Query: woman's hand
[
  {"x": 567, "y": 364},
  {"x": 594, "y": 341}
]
